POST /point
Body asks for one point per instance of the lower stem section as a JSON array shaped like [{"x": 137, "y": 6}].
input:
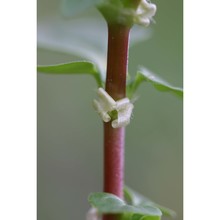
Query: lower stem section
[
  {"x": 114, "y": 159},
  {"x": 113, "y": 162}
]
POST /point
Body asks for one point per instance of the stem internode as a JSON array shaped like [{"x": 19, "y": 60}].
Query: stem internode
[{"x": 114, "y": 138}]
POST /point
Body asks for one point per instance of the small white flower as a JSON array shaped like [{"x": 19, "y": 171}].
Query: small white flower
[
  {"x": 124, "y": 109},
  {"x": 122, "y": 103},
  {"x": 107, "y": 104},
  {"x": 107, "y": 99},
  {"x": 145, "y": 12}
]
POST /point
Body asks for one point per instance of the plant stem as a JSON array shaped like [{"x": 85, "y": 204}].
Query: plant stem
[{"x": 114, "y": 138}]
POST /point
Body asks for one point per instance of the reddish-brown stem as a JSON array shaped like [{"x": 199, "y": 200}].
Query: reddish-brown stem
[
  {"x": 114, "y": 138},
  {"x": 117, "y": 60}
]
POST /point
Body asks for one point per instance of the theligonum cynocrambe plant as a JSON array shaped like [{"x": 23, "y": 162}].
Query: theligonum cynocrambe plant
[{"x": 114, "y": 105}]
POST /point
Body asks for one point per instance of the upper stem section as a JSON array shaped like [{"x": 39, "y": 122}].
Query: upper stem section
[{"x": 117, "y": 60}]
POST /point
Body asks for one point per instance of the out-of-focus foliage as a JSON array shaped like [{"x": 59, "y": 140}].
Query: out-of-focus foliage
[
  {"x": 107, "y": 203},
  {"x": 84, "y": 37},
  {"x": 136, "y": 199},
  {"x": 73, "y": 7}
]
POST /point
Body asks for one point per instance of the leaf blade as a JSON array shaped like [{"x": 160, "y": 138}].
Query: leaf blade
[
  {"x": 107, "y": 203},
  {"x": 73, "y": 7},
  {"x": 160, "y": 84},
  {"x": 137, "y": 199},
  {"x": 79, "y": 67}
]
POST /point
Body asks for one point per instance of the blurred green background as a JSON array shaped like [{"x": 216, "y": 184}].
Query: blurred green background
[{"x": 70, "y": 132}]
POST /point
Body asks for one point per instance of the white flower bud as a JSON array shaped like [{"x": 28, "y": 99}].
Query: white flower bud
[
  {"x": 107, "y": 104},
  {"x": 148, "y": 8},
  {"x": 108, "y": 101},
  {"x": 101, "y": 111},
  {"x": 122, "y": 103},
  {"x": 124, "y": 116},
  {"x": 145, "y": 12}
]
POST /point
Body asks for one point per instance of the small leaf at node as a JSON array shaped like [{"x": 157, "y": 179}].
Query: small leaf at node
[
  {"x": 107, "y": 203},
  {"x": 144, "y": 75},
  {"x": 134, "y": 198}
]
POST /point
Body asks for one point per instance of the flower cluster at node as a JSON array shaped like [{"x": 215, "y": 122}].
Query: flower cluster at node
[
  {"x": 145, "y": 11},
  {"x": 106, "y": 106}
]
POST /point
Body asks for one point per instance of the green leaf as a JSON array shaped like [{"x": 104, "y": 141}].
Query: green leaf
[
  {"x": 73, "y": 7},
  {"x": 73, "y": 68},
  {"x": 135, "y": 198},
  {"x": 141, "y": 217},
  {"x": 107, "y": 203},
  {"x": 85, "y": 37},
  {"x": 161, "y": 85}
]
